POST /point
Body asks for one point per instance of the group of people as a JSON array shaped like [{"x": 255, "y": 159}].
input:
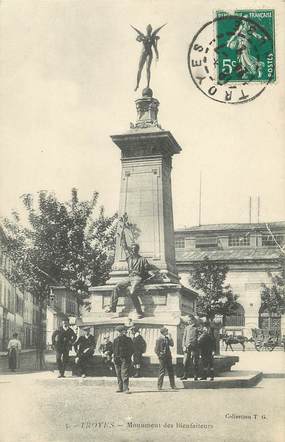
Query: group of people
[
  {"x": 198, "y": 341},
  {"x": 125, "y": 353},
  {"x": 64, "y": 338}
]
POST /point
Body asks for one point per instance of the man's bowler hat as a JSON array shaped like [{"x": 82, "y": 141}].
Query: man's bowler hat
[{"x": 121, "y": 328}]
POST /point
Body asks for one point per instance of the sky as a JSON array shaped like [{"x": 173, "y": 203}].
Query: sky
[{"x": 67, "y": 80}]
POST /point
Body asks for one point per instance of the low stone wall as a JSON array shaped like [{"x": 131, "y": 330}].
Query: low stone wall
[{"x": 149, "y": 368}]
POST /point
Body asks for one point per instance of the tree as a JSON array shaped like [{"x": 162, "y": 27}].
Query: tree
[
  {"x": 214, "y": 297},
  {"x": 64, "y": 243},
  {"x": 273, "y": 296}
]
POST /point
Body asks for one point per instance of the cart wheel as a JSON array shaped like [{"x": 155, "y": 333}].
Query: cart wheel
[
  {"x": 258, "y": 346},
  {"x": 271, "y": 348}
]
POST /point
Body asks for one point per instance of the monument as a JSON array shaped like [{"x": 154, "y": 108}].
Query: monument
[{"x": 145, "y": 229}]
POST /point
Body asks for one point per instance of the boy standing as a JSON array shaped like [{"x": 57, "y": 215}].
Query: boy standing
[
  {"x": 162, "y": 349},
  {"x": 139, "y": 349}
]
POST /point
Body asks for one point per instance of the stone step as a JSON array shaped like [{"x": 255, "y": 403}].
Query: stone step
[{"x": 232, "y": 379}]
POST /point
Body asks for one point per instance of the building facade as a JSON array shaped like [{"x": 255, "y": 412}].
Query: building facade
[
  {"x": 252, "y": 252},
  {"x": 19, "y": 312},
  {"x": 62, "y": 305}
]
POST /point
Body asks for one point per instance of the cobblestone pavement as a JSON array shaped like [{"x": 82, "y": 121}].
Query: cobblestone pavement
[{"x": 38, "y": 407}]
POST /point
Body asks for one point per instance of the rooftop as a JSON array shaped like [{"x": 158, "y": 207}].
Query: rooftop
[
  {"x": 229, "y": 254},
  {"x": 233, "y": 226}
]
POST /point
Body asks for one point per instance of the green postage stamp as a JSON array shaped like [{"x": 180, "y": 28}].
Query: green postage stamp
[
  {"x": 245, "y": 39},
  {"x": 231, "y": 59}
]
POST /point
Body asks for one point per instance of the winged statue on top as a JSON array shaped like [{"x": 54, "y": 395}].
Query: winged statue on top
[{"x": 149, "y": 42}]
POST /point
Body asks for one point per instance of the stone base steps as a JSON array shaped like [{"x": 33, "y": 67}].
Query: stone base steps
[
  {"x": 275, "y": 375},
  {"x": 233, "y": 379}
]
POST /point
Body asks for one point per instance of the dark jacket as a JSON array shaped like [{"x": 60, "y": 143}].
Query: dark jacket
[
  {"x": 123, "y": 347},
  {"x": 139, "y": 344},
  {"x": 62, "y": 339},
  {"x": 84, "y": 343},
  {"x": 162, "y": 346},
  {"x": 206, "y": 343}
]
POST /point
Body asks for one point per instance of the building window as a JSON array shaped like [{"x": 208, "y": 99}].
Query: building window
[
  {"x": 180, "y": 243},
  {"x": 206, "y": 243},
  {"x": 239, "y": 240},
  {"x": 268, "y": 240},
  {"x": 236, "y": 319},
  {"x": 70, "y": 307}
]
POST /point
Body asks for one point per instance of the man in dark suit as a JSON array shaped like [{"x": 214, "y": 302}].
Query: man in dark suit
[
  {"x": 62, "y": 340},
  {"x": 123, "y": 350},
  {"x": 162, "y": 349},
  {"x": 84, "y": 348},
  {"x": 207, "y": 347}
]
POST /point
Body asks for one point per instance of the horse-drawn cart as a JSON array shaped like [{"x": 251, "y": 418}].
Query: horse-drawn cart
[{"x": 264, "y": 340}]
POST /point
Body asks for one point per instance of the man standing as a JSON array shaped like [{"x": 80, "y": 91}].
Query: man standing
[
  {"x": 139, "y": 349},
  {"x": 84, "y": 348},
  {"x": 123, "y": 350},
  {"x": 162, "y": 349},
  {"x": 207, "y": 347},
  {"x": 190, "y": 348},
  {"x": 63, "y": 340}
]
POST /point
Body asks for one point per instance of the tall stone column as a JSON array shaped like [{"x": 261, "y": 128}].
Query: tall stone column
[{"x": 145, "y": 195}]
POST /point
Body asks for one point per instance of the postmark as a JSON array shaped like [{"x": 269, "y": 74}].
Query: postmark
[{"x": 231, "y": 59}]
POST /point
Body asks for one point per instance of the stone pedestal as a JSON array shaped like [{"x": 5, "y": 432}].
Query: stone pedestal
[{"x": 162, "y": 304}]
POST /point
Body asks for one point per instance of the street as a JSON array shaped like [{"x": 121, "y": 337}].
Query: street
[{"x": 39, "y": 407}]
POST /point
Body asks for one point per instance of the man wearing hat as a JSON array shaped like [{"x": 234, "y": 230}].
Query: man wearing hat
[
  {"x": 123, "y": 349},
  {"x": 84, "y": 348},
  {"x": 62, "y": 340},
  {"x": 190, "y": 347},
  {"x": 139, "y": 349},
  {"x": 162, "y": 349}
]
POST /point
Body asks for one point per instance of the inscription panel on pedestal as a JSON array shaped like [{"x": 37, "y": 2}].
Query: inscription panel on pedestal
[
  {"x": 155, "y": 299},
  {"x": 141, "y": 199}
]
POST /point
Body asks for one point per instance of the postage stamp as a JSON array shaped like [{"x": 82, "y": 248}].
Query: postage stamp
[
  {"x": 231, "y": 59},
  {"x": 248, "y": 47}
]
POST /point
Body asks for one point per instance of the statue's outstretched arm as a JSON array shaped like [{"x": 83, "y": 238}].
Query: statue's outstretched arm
[{"x": 124, "y": 243}]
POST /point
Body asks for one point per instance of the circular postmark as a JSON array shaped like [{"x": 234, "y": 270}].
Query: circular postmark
[{"x": 231, "y": 59}]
